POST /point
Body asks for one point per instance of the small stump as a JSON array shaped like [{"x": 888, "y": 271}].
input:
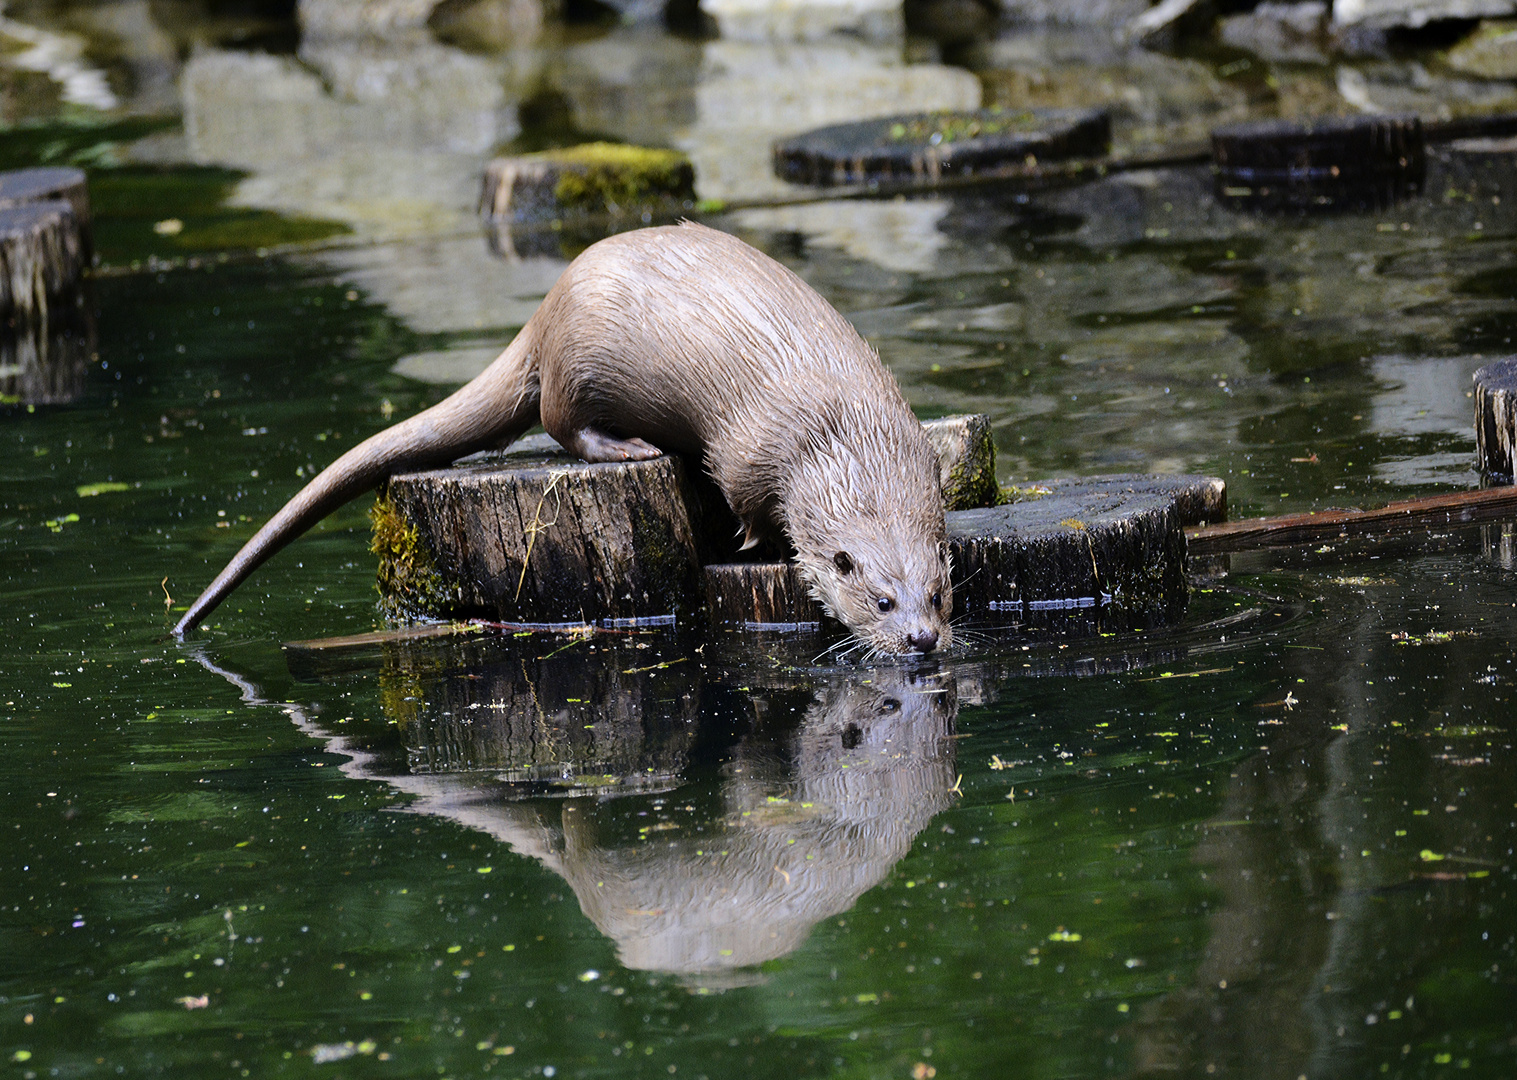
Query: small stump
[
  {"x": 22, "y": 186},
  {"x": 546, "y": 542},
  {"x": 43, "y": 254},
  {"x": 760, "y": 596},
  {"x": 966, "y": 460},
  {"x": 1347, "y": 162},
  {"x": 590, "y": 190},
  {"x": 1496, "y": 417},
  {"x": 933, "y": 146},
  {"x": 1078, "y": 561}
]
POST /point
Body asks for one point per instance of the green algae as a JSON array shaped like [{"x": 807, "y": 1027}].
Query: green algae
[
  {"x": 408, "y": 580},
  {"x": 604, "y": 176}
]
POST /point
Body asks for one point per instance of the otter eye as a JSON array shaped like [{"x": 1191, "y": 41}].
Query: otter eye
[
  {"x": 843, "y": 562},
  {"x": 884, "y": 603},
  {"x": 937, "y": 601}
]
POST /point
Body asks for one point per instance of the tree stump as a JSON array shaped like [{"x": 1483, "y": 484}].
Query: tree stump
[
  {"x": 546, "y": 542},
  {"x": 1079, "y": 561},
  {"x": 760, "y": 596},
  {"x": 589, "y": 190},
  {"x": 1351, "y": 162},
  {"x": 932, "y": 146},
  {"x": 42, "y": 257},
  {"x": 1496, "y": 417},
  {"x": 51, "y": 184},
  {"x": 966, "y": 459}
]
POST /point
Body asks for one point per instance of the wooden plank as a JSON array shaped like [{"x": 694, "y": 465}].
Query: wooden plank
[{"x": 1459, "y": 508}]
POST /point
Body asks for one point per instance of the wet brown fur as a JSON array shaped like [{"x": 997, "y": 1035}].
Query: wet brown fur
[{"x": 686, "y": 339}]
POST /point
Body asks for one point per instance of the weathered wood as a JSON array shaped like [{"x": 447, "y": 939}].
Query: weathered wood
[
  {"x": 1330, "y": 162},
  {"x": 1079, "y": 560},
  {"x": 1198, "y": 499},
  {"x": 42, "y": 256},
  {"x": 1496, "y": 417},
  {"x": 936, "y": 146},
  {"x": 759, "y": 596},
  {"x": 555, "y": 542},
  {"x": 1459, "y": 508},
  {"x": 594, "y": 189},
  {"x": 966, "y": 459}
]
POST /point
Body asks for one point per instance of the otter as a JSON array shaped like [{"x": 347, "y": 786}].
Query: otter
[{"x": 682, "y": 338}]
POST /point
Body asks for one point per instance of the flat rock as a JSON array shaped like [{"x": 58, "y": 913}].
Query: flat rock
[{"x": 1289, "y": 33}]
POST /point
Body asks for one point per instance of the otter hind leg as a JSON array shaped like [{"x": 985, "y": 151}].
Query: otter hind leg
[{"x": 593, "y": 446}]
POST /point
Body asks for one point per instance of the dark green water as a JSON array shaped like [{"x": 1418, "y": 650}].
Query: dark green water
[{"x": 1279, "y": 846}]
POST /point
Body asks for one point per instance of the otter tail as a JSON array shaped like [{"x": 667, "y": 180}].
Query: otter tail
[{"x": 493, "y": 410}]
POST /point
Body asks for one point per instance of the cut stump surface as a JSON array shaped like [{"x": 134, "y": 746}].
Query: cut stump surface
[{"x": 933, "y": 146}]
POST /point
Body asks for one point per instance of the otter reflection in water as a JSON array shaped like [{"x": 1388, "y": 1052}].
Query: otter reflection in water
[{"x": 720, "y": 857}]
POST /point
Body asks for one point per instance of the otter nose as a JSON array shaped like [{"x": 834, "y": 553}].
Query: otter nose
[{"x": 923, "y": 640}]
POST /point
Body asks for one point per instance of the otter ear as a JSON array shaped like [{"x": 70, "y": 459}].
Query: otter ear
[{"x": 842, "y": 561}]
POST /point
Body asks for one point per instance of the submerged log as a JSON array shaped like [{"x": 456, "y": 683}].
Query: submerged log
[
  {"x": 1496, "y": 417},
  {"x": 43, "y": 254},
  {"x": 934, "y": 146}
]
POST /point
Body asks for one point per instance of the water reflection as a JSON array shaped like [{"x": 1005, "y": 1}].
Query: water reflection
[
  {"x": 45, "y": 362},
  {"x": 585, "y": 759}
]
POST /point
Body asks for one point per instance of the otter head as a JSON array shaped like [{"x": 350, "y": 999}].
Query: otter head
[{"x": 890, "y": 588}]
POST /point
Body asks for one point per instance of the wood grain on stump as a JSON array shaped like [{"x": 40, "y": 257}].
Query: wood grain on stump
[
  {"x": 1496, "y": 417},
  {"x": 43, "y": 253},
  {"x": 1076, "y": 561},
  {"x": 553, "y": 542},
  {"x": 966, "y": 460},
  {"x": 1331, "y": 162},
  {"x": 932, "y": 146},
  {"x": 760, "y": 596}
]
